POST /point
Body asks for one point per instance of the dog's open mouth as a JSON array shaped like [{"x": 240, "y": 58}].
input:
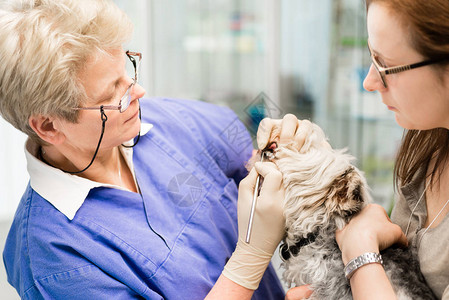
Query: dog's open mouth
[
  {"x": 268, "y": 151},
  {"x": 271, "y": 146}
]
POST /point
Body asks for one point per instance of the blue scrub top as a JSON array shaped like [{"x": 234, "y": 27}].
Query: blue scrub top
[{"x": 169, "y": 242}]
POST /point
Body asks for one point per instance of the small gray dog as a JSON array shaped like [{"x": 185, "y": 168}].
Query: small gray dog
[{"x": 323, "y": 191}]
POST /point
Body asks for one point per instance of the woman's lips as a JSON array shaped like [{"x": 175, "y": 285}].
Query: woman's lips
[{"x": 390, "y": 107}]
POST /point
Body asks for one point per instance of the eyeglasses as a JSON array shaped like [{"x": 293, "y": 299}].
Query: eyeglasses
[
  {"x": 123, "y": 105},
  {"x": 383, "y": 71},
  {"x": 126, "y": 99}
]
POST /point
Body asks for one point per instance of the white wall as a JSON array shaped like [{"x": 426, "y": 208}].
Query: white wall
[
  {"x": 13, "y": 173},
  {"x": 13, "y": 180}
]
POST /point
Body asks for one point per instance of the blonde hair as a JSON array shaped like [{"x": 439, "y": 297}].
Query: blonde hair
[{"x": 44, "y": 44}]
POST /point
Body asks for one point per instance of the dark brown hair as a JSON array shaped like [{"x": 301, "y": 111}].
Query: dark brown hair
[{"x": 427, "y": 23}]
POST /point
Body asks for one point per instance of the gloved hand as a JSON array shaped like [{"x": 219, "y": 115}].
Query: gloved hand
[
  {"x": 249, "y": 260},
  {"x": 283, "y": 131}
]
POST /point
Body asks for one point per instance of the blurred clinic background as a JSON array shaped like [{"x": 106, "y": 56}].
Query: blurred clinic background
[{"x": 261, "y": 58}]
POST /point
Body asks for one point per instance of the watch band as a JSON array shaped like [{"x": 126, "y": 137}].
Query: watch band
[{"x": 364, "y": 259}]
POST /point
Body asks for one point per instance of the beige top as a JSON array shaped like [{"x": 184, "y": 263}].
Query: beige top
[{"x": 433, "y": 246}]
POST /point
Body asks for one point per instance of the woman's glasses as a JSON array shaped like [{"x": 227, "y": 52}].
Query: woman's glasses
[
  {"x": 384, "y": 71},
  {"x": 135, "y": 58},
  {"x": 123, "y": 105}
]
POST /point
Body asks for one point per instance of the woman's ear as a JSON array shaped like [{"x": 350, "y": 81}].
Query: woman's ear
[{"x": 45, "y": 128}]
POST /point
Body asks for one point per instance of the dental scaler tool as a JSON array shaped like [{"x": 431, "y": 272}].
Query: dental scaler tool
[
  {"x": 253, "y": 204},
  {"x": 263, "y": 154}
]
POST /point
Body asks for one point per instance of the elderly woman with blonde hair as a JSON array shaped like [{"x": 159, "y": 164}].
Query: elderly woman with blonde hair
[{"x": 128, "y": 197}]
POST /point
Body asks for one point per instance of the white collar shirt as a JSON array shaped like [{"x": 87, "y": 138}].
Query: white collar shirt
[{"x": 67, "y": 192}]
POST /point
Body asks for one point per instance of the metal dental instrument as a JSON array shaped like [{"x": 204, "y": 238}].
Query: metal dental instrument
[{"x": 253, "y": 205}]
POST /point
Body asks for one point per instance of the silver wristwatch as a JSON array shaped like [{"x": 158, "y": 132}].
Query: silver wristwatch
[{"x": 364, "y": 259}]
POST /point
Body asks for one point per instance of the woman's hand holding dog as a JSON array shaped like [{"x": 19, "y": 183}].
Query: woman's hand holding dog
[{"x": 370, "y": 231}]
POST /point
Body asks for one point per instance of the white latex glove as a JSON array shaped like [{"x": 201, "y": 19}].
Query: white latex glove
[
  {"x": 286, "y": 130},
  {"x": 249, "y": 260}
]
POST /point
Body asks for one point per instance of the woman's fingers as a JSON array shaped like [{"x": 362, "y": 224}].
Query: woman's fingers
[
  {"x": 369, "y": 231},
  {"x": 303, "y": 131},
  {"x": 266, "y": 126},
  {"x": 271, "y": 174},
  {"x": 401, "y": 239},
  {"x": 284, "y": 131},
  {"x": 271, "y": 184},
  {"x": 268, "y": 170},
  {"x": 249, "y": 182},
  {"x": 298, "y": 293},
  {"x": 289, "y": 126}
]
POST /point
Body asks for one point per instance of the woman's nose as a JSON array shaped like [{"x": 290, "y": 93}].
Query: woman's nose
[
  {"x": 372, "y": 80},
  {"x": 138, "y": 92}
]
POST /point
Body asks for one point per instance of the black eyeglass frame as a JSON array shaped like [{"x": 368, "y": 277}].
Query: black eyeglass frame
[{"x": 382, "y": 71}]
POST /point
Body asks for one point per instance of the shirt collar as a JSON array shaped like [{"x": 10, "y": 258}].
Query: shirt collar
[
  {"x": 67, "y": 192},
  {"x": 412, "y": 193}
]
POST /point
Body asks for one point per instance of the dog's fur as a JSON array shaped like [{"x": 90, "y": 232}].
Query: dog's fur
[{"x": 323, "y": 192}]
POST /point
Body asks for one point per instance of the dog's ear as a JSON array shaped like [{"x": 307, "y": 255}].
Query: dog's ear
[
  {"x": 346, "y": 194},
  {"x": 348, "y": 186},
  {"x": 357, "y": 193}
]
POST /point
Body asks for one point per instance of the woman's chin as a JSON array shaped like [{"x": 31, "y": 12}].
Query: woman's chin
[
  {"x": 409, "y": 125},
  {"x": 134, "y": 130},
  {"x": 401, "y": 123}
]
